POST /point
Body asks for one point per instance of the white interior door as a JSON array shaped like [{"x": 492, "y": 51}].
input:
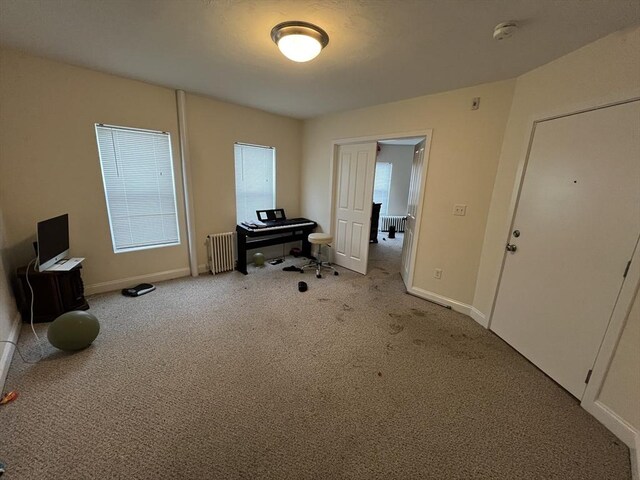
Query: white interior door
[
  {"x": 412, "y": 207},
  {"x": 354, "y": 194},
  {"x": 578, "y": 219}
]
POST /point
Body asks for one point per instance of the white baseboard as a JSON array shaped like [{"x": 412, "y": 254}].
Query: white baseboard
[
  {"x": 479, "y": 317},
  {"x": 8, "y": 349},
  {"x": 440, "y": 300},
  {"x": 616, "y": 424},
  {"x": 620, "y": 428},
  {"x": 131, "y": 281},
  {"x": 635, "y": 458}
]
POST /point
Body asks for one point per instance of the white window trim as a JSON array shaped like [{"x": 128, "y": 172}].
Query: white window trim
[
  {"x": 275, "y": 175},
  {"x": 385, "y": 207},
  {"x": 104, "y": 187}
]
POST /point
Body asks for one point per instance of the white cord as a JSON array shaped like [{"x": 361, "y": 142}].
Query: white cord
[
  {"x": 31, "y": 309},
  {"x": 19, "y": 352},
  {"x": 31, "y": 321}
]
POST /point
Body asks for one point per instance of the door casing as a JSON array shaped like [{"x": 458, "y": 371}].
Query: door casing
[{"x": 427, "y": 134}]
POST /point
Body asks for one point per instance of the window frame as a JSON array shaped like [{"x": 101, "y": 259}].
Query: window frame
[
  {"x": 385, "y": 206},
  {"x": 273, "y": 181},
  {"x": 117, "y": 250}
]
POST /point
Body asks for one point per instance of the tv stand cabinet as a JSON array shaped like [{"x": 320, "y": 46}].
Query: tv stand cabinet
[{"x": 54, "y": 292}]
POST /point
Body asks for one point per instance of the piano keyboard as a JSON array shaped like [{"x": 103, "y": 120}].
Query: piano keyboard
[
  {"x": 280, "y": 227},
  {"x": 276, "y": 232}
]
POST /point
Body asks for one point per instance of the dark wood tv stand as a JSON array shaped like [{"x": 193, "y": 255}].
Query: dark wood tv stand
[{"x": 54, "y": 292}]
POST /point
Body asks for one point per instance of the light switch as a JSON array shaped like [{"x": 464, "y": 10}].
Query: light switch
[{"x": 460, "y": 210}]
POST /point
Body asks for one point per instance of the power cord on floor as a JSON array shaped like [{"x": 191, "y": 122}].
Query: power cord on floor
[
  {"x": 20, "y": 353},
  {"x": 30, "y": 321}
]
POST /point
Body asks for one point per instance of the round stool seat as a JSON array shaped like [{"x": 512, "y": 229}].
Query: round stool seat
[{"x": 320, "y": 238}]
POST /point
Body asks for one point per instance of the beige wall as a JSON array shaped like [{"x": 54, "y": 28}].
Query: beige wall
[
  {"x": 401, "y": 158},
  {"x": 464, "y": 155},
  {"x": 604, "y": 71},
  {"x": 49, "y": 162},
  {"x": 214, "y": 127},
  {"x": 621, "y": 389}
]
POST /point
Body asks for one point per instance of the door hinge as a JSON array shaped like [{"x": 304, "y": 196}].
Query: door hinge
[
  {"x": 586, "y": 380},
  {"x": 626, "y": 270}
]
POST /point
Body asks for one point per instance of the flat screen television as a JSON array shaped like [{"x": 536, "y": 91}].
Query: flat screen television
[{"x": 53, "y": 241}]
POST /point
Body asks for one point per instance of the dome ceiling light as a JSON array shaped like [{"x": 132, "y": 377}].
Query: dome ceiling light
[{"x": 299, "y": 41}]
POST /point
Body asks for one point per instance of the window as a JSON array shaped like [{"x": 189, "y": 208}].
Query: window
[
  {"x": 137, "y": 172},
  {"x": 255, "y": 180},
  {"x": 382, "y": 186}
]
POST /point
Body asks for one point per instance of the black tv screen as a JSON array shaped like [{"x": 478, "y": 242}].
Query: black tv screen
[{"x": 53, "y": 241}]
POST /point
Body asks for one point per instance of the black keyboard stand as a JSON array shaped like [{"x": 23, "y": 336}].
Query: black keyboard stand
[{"x": 251, "y": 239}]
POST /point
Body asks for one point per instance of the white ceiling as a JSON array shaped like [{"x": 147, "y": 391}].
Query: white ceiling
[{"x": 379, "y": 51}]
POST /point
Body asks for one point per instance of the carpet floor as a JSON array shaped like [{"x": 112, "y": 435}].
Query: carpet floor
[{"x": 243, "y": 377}]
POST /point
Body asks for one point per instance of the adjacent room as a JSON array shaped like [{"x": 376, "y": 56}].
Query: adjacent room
[{"x": 289, "y": 239}]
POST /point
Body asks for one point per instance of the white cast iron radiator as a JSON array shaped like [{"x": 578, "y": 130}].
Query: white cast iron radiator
[
  {"x": 396, "y": 220},
  {"x": 221, "y": 252}
]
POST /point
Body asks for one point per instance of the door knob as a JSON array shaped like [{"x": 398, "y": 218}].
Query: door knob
[{"x": 511, "y": 247}]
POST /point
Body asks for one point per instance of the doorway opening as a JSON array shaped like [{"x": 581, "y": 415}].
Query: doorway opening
[
  {"x": 390, "y": 209},
  {"x": 378, "y": 183}
]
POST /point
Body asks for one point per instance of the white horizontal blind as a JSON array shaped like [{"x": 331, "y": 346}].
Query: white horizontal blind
[
  {"x": 137, "y": 171},
  {"x": 382, "y": 186},
  {"x": 255, "y": 180}
]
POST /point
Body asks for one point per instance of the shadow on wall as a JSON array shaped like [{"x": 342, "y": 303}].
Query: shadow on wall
[
  {"x": 16, "y": 256},
  {"x": 7, "y": 295}
]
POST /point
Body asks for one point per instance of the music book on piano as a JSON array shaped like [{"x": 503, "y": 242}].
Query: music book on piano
[{"x": 254, "y": 224}]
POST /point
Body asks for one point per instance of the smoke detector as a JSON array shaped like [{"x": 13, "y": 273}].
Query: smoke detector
[{"x": 504, "y": 30}]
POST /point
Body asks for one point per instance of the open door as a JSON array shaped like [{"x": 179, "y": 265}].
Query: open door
[
  {"x": 354, "y": 194},
  {"x": 412, "y": 207}
]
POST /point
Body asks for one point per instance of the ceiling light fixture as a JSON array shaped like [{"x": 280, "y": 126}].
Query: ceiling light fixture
[{"x": 299, "y": 41}]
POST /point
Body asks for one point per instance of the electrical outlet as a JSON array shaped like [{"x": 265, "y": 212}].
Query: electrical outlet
[
  {"x": 460, "y": 210},
  {"x": 437, "y": 273}
]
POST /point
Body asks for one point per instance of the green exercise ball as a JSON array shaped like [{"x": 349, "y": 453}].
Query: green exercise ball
[
  {"x": 73, "y": 330},
  {"x": 258, "y": 259}
]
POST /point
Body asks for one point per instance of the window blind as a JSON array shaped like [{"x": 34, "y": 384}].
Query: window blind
[
  {"x": 382, "y": 186},
  {"x": 137, "y": 172},
  {"x": 255, "y": 180}
]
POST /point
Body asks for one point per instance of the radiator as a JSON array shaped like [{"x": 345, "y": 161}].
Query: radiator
[
  {"x": 221, "y": 252},
  {"x": 396, "y": 220}
]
